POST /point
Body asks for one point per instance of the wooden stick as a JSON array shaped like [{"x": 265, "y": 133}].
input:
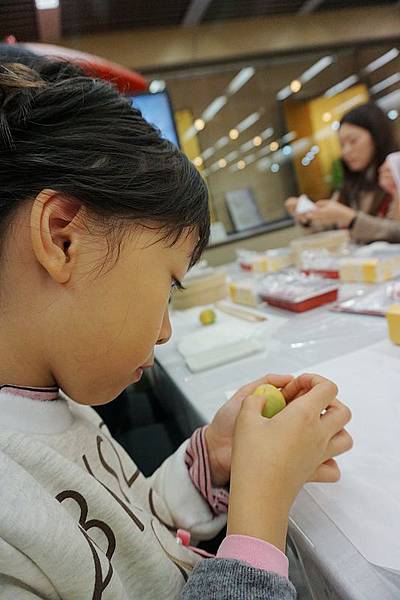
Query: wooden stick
[{"x": 241, "y": 313}]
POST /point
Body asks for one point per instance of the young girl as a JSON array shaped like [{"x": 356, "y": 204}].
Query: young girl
[{"x": 100, "y": 218}]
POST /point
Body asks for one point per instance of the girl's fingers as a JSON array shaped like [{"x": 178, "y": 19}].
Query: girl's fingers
[
  {"x": 336, "y": 417},
  {"x": 339, "y": 444},
  {"x": 279, "y": 381},
  {"x": 316, "y": 391},
  {"x": 252, "y": 406}
]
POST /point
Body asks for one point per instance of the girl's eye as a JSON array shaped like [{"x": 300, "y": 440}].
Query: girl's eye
[{"x": 176, "y": 285}]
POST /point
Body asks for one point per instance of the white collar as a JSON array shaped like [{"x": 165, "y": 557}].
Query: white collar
[{"x": 19, "y": 412}]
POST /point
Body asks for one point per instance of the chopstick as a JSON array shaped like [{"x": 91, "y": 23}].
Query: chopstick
[{"x": 241, "y": 313}]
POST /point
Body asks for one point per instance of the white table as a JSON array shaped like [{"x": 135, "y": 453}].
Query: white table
[{"x": 338, "y": 569}]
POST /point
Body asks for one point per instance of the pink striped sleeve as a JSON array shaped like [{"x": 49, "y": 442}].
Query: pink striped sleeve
[
  {"x": 197, "y": 462},
  {"x": 255, "y": 552}
]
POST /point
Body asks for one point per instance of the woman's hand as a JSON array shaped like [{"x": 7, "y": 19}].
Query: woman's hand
[
  {"x": 386, "y": 179},
  {"x": 291, "y": 205},
  {"x": 219, "y": 434},
  {"x": 329, "y": 213},
  {"x": 273, "y": 458}
]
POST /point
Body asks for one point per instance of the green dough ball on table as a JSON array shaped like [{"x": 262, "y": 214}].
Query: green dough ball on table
[
  {"x": 274, "y": 399},
  {"x": 207, "y": 316}
]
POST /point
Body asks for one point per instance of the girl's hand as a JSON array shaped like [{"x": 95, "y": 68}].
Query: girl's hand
[
  {"x": 219, "y": 434},
  {"x": 386, "y": 179},
  {"x": 273, "y": 458},
  {"x": 330, "y": 212}
]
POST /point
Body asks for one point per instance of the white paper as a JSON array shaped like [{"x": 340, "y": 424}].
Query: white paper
[
  {"x": 304, "y": 205},
  {"x": 365, "y": 503}
]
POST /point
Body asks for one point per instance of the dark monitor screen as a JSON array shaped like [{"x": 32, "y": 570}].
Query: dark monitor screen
[{"x": 157, "y": 110}]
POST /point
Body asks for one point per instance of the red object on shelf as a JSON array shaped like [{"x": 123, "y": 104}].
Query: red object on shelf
[
  {"x": 303, "y": 305},
  {"x": 245, "y": 267},
  {"x": 126, "y": 80},
  {"x": 322, "y": 273}
]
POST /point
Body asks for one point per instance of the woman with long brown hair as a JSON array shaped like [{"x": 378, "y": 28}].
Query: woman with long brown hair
[{"x": 361, "y": 205}]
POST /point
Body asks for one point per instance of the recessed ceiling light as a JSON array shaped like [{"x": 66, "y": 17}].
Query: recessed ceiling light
[{"x": 199, "y": 124}]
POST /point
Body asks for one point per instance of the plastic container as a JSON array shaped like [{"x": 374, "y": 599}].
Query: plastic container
[
  {"x": 334, "y": 241},
  {"x": 321, "y": 262},
  {"x": 270, "y": 261},
  {"x": 243, "y": 292},
  {"x": 375, "y": 303},
  {"x": 393, "y": 321},
  {"x": 201, "y": 289},
  {"x": 297, "y": 292},
  {"x": 375, "y": 263}
]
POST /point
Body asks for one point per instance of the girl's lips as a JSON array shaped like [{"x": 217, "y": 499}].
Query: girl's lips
[{"x": 137, "y": 374}]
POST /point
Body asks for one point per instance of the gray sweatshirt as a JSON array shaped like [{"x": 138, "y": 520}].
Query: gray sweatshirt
[{"x": 78, "y": 521}]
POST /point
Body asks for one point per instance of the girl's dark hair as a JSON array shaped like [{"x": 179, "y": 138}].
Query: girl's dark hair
[
  {"x": 370, "y": 117},
  {"x": 62, "y": 130}
]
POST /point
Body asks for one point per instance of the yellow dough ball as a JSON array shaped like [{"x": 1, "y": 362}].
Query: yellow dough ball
[
  {"x": 274, "y": 399},
  {"x": 207, "y": 316}
]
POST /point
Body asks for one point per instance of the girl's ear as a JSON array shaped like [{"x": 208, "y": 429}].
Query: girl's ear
[{"x": 56, "y": 233}]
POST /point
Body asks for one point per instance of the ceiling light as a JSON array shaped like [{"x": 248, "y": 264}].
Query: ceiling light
[
  {"x": 157, "y": 85},
  {"x": 273, "y": 146},
  {"x": 247, "y": 146},
  {"x": 208, "y": 152},
  {"x": 263, "y": 164},
  {"x": 385, "y": 83},
  {"x": 234, "y": 134},
  {"x": 189, "y": 133},
  {"x": 284, "y": 93},
  {"x": 257, "y": 140},
  {"x": 389, "y": 101},
  {"x": 240, "y": 79},
  {"x": 305, "y": 161},
  {"x": 199, "y": 124},
  {"x": 248, "y": 121},
  {"x": 382, "y": 60},
  {"x": 313, "y": 71},
  {"x": 47, "y": 4},
  {"x": 295, "y": 86},
  {"x": 349, "y": 104},
  {"x": 267, "y": 133},
  {"x": 198, "y": 161},
  {"x": 241, "y": 164},
  {"x": 222, "y": 163},
  {"x": 341, "y": 86},
  {"x": 264, "y": 151},
  {"x": 222, "y": 142},
  {"x": 232, "y": 155},
  {"x": 326, "y": 117},
  {"x": 335, "y": 125},
  {"x": 393, "y": 114},
  {"x": 286, "y": 150},
  {"x": 275, "y": 167},
  {"x": 250, "y": 159},
  {"x": 316, "y": 68},
  {"x": 288, "y": 137},
  {"x": 214, "y": 107}
]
